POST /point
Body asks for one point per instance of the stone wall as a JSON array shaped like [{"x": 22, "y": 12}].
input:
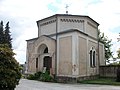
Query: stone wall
[
  {"x": 83, "y": 56},
  {"x": 109, "y": 71},
  {"x": 64, "y": 79},
  {"x": 65, "y": 56}
]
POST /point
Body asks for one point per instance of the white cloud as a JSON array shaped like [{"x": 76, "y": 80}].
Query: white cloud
[
  {"x": 23, "y": 15},
  {"x": 107, "y": 14}
]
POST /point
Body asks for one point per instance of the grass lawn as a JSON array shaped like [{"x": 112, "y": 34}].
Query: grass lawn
[{"x": 102, "y": 81}]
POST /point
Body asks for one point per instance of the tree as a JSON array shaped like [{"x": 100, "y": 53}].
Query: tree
[
  {"x": 9, "y": 69},
  {"x": 1, "y": 32},
  {"x": 7, "y": 36},
  {"x": 118, "y": 53},
  {"x": 107, "y": 45}
]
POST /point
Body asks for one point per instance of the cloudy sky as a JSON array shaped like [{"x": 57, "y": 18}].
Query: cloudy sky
[{"x": 23, "y": 14}]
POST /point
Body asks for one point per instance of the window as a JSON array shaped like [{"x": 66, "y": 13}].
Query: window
[
  {"x": 92, "y": 58},
  {"x": 46, "y": 50},
  {"x": 36, "y": 62}
]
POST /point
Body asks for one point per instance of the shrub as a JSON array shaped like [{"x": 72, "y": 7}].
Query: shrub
[
  {"x": 45, "y": 77},
  {"x": 31, "y": 77},
  {"x": 41, "y": 76},
  {"x": 35, "y": 76}
]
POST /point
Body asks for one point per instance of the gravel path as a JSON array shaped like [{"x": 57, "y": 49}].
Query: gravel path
[{"x": 37, "y": 85}]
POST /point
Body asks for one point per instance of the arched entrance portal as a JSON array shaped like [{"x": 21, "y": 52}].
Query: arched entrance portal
[
  {"x": 47, "y": 62},
  {"x": 45, "y": 58}
]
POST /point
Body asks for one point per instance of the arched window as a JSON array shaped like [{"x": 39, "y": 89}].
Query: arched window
[
  {"x": 91, "y": 63},
  {"x": 42, "y": 49},
  {"x": 46, "y": 50},
  {"x": 93, "y": 58},
  {"x": 36, "y": 62}
]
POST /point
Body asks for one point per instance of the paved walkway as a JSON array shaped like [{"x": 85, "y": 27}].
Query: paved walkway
[{"x": 37, "y": 85}]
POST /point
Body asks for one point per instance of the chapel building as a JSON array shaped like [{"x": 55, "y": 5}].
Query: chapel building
[{"x": 67, "y": 46}]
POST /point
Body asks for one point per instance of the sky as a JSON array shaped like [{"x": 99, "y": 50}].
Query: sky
[{"x": 23, "y": 14}]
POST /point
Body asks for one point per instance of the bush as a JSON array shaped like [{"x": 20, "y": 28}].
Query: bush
[
  {"x": 45, "y": 77},
  {"x": 41, "y": 77},
  {"x": 31, "y": 77},
  {"x": 35, "y": 76}
]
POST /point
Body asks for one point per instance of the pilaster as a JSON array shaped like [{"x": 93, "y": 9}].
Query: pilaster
[{"x": 75, "y": 57}]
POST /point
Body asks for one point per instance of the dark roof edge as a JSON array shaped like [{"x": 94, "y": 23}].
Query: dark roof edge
[
  {"x": 48, "y": 36},
  {"x": 67, "y": 31},
  {"x": 32, "y": 39}
]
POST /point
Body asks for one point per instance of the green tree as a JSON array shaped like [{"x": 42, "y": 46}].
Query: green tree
[
  {"x": 118, "y": 53},
  {"x": 7, "y": 36},
  {"x": 9, "y": 68},
  {"x": 1, "y": 32},
  {"x": 107, "y": 46}
]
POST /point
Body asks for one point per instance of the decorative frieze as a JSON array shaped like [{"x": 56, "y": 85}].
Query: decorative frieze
[
  {"x": 48, "y": 22},
  {"x": 72, "y": 20},
  {"x": 63, "y": 20}
]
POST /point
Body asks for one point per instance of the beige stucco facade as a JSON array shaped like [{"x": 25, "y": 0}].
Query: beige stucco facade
[{"x": 68, "y": 44}]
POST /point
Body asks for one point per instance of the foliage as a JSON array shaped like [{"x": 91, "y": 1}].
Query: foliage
[
  {"x": 41, "y": 76},
  {"x": 9, "y": 69},
  {"x": 46, "y": 77},
  {"x": 35, "y": 76},
  {"x": 1, "y": 33},
  {"x": 31, "y": 77},
  {"x": 107, "y": 45},
  {"x": 5, "y": 37},
  {"x": 118, "y": 53}
]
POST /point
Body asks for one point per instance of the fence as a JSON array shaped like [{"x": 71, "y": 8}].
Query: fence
[{"x": 109, "y": 71}]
